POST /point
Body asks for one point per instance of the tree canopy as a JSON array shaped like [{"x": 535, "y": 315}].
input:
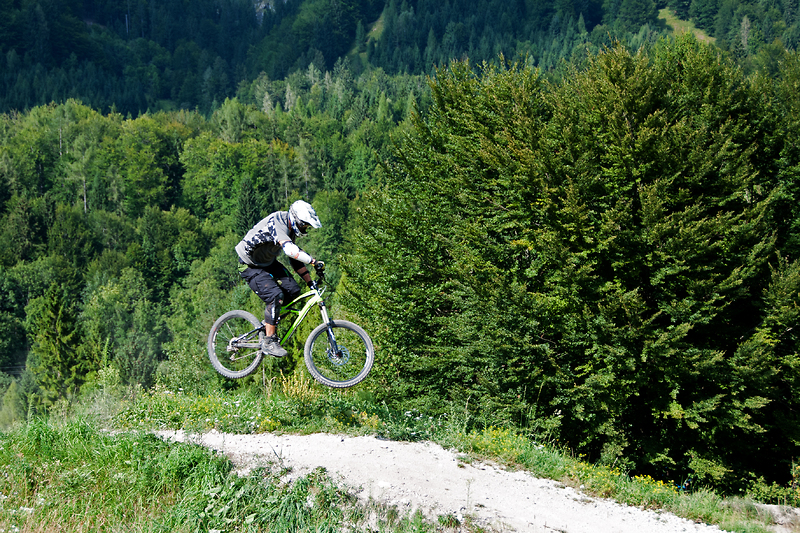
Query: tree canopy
[
  {"x": 610, "y": 258},
  {"x": 602, "y": 251},
  {"x": 138, "y": 56}
]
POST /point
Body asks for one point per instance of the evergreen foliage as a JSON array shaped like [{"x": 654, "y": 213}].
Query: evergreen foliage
[
  {"x": 603, "y": 255},
  {"x": 603, "y": 249},
  {"x": 59, "y": 365},
  {"x": 118, "y": 232},
  {"x": 142, "y": 56}
]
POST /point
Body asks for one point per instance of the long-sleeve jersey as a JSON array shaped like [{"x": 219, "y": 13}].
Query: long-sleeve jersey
[{"x": 262, "y": 244}]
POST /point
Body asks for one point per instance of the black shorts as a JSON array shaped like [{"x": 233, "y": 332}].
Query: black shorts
[{"x": 274, "y": 285}]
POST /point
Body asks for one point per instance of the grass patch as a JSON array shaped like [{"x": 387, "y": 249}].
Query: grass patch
[
  {"x": 375, "y": 30},
  {"x": 302, "y": 407},
  {"x": 76, "y": 477},
  {"x": 299, "y": 405},
  {"x": 679, "y": 26},
  {"x": 512, "y": 449}
]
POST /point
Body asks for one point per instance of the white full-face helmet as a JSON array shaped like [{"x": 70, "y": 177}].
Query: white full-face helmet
[{"x": 302, "y": 217}]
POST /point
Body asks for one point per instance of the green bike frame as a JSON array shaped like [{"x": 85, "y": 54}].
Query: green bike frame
[
  {"x": 337, "y": 353},
  {"x": 290, "y": 311}
]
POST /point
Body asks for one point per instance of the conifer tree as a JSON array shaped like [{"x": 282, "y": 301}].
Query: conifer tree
[
  {"x": 249, "y": 208},
  {"x": 60, "y": 366},
  {"x": 606, "y": 242},
  {"x": 635, "y": 13}
]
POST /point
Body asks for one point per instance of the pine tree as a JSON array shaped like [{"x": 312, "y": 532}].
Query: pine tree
[
  {"x": 703, "y": 13},
  {"x": 605, "y": 242},
  {"x": 51, "y": 324},
  {"x": 249, "y": 207},
  {"x": 635, "y": 13},
  {"x": 680, "y": 8}
]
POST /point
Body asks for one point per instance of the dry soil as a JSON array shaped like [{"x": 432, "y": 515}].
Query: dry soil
[{"x": 436, "y": 481}]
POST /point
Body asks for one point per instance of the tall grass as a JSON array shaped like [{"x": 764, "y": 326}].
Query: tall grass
[
  {"x": 298, "y": 404},
  {"x": 303, "y": 407},
  {"x": 74, "y": 476}
]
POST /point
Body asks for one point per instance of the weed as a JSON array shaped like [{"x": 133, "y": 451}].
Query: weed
[
  {"x": 298, "y": 386},
  {"x": 449, "y": 520},
  {"x": 75, "y": 477},
  {"x": 51, "y": 474}
]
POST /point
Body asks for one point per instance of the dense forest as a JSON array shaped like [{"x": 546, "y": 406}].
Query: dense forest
[
  {"x": 614, "y": 259},
  {"x": 548, "y": 215},
  {"x": 105, "y": 219},
  {"x": 136, "y": 56}
]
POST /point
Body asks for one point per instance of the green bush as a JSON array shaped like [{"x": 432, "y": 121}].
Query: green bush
[{"x": 604, "y": 257}]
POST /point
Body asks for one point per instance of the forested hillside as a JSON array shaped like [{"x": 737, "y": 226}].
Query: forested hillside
[
  {"x": 117, "y": 234},
  {"x": 136, "y": 55},
  {"x": 595, "y": 241}
]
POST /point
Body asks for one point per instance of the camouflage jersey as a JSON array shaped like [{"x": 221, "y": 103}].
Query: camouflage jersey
[{"x": 262, "y": 244}]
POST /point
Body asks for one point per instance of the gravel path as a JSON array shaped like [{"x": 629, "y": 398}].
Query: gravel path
[{"x": 428, "y": 478}]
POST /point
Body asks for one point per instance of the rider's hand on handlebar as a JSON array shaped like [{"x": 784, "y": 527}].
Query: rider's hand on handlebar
[{"x": 320, "y": 268}]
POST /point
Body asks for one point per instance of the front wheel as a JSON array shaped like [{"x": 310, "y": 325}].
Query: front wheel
[
  {"x": 341, "y": 361},
  {"x": 234, "y": 344}
]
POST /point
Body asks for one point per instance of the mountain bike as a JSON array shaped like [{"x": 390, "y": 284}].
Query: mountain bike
[{"x": 337, "y": 353}]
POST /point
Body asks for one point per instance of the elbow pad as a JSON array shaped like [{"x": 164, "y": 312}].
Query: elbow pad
[{"x": 293, "y": 251}]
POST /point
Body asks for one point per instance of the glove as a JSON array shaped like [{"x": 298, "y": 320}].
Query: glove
[{"x": 320, "y": 267}]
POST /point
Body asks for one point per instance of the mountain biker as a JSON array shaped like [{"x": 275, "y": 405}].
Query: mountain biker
[{"x": 258, "y": 265}]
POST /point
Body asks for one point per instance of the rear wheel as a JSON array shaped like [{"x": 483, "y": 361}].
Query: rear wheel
[
  {"x": 234, "y": 344},
  {"x": 343, "y": 363}
]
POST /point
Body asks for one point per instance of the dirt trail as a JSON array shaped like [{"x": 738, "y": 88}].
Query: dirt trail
[{"x": 426, "y": 477}]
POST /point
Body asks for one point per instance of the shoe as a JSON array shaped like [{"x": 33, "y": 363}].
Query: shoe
[{"x": 272, "y": 346}]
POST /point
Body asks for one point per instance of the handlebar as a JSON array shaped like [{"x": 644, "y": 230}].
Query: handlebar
[{"x": 320, "y": 278}]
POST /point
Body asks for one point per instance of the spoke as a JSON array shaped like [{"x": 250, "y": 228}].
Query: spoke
[
  {"x": 231, "y": 334},
  {"x": 234, "y": 346}
]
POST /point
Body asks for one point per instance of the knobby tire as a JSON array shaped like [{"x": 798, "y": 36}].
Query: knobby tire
[
  {"x": 236, "y": 363},
  {"x": 347, "y": 367}
]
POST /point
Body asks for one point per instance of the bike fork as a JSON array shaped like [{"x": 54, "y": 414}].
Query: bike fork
[{"x": 331, "y": 336}]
